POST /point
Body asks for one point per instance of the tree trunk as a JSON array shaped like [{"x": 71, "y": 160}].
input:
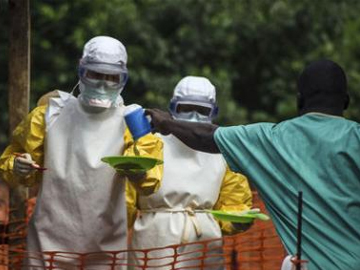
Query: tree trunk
[
  {"x": 19, "y": 91},
  {"x": 19, "y": 61}
]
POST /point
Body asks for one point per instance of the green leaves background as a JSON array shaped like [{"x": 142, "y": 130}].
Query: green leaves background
[{"x": 252, "y": 51}]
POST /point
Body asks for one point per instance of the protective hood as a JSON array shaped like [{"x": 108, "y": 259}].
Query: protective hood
[
  {"x": 105, "y": 58},
  {"x": 104, "y": 55},
  {"x": 195, "y": 86},
  {"x": 198, "y": 91}
]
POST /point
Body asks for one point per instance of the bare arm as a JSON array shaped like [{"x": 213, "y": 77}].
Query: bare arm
[{"x": 198, "y": 136}]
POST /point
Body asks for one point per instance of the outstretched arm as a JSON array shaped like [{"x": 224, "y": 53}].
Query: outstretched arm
[{"x": 198, "y": 136}]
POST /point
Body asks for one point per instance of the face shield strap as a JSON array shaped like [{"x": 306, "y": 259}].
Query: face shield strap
[{"x": 102, "y": 67}]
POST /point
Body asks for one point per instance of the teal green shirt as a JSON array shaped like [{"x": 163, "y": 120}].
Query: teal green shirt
[{"x": 319, "y": 155}]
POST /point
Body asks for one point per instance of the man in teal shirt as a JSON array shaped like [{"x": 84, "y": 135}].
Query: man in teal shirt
[{"x": 317, "y": 153}]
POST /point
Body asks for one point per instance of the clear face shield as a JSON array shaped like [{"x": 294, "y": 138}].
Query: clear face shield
[
  {"x": 193, "y": 109},
  {"x": 101, "y": 84}
]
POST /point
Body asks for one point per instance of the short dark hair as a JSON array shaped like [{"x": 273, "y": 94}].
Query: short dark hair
[
  {"x": 322, "y": 76},
  {"x": 323, "y": 84}
]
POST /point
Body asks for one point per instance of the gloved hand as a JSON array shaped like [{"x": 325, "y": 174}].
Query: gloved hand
[
  {"x": 24, "y": 165},
  {"x": 133, "y": 177},
  {"x": 241, "y": 227}
]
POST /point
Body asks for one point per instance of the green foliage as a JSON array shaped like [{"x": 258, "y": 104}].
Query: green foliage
[{"x": 252, "y": 51}]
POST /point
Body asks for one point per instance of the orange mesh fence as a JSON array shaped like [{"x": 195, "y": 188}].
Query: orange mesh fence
[{"x": 259, "y": 248}]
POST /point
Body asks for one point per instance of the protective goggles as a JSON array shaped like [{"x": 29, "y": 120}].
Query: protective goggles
[
  {"x": 97, "y": 77},
  {"x": 198, "y": 104}
]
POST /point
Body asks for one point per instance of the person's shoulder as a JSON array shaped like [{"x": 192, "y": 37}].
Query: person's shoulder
[
  {"x": 245, "y": 130},
  {"x": 284, "y": 122},
  {"x": 35, "y": 118},
  {"x": 38, "y": 111},
  {"x": 44, "y": 99},
  {"x": 57, "y": 100},
  {"x": 258, "y": 125},
  {"x": 352, "y": 122},
  {"x": 352, "y": 125},
  {"x": 331, "y": 119}
]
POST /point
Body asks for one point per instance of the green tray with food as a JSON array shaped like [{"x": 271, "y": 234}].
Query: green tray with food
[
  {"x": 246, "y": 216},
  {"x": 132, "y": 164}
]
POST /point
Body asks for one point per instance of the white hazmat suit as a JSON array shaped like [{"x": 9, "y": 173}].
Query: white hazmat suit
[
  {"x": 192, "y": 183},
  {"x": 81, "y": 201}
]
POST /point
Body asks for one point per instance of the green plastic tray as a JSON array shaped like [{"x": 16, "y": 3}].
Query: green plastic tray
[
  {"x": 131, "y": 164},
  {"x": 238, "y": 217}
]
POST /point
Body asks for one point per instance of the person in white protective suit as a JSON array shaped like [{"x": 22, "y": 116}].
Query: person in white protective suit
[
  {"x": 192, "y": 183},
  {"x": 81, "y": 201}
]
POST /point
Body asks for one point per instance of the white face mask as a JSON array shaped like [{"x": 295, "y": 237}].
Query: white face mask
[
  {"x": 101, "y": 96},
  {"x": 192, "y": 117}
]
